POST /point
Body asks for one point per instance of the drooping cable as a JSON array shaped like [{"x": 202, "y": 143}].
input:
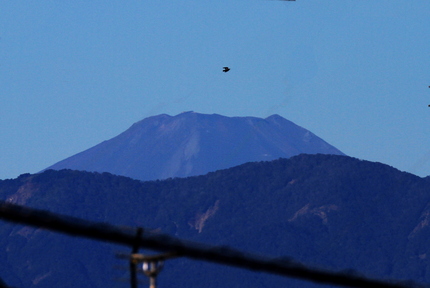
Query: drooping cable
[{"x": 222, "y": 255}]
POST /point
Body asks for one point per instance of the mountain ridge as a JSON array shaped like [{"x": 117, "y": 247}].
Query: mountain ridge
[
  {"x": 188, "y": 144},
  {"x": 328, "y": 211}
]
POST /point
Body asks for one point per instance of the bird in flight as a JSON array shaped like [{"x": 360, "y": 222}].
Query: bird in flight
[{"x": 225, "y": 69}]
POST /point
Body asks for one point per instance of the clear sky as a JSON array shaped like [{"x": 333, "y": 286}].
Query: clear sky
[{"x": 75, "y": 73}]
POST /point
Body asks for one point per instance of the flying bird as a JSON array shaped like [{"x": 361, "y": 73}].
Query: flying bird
[{"x": 225, "y": 69}]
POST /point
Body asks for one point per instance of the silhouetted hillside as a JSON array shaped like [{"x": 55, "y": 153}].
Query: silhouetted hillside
[
  {"x": 328, "y": 211},
  {"x": 191, "y": 144}
]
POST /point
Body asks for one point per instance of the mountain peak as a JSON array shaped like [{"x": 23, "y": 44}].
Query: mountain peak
[{"x": 191, "y": 143}]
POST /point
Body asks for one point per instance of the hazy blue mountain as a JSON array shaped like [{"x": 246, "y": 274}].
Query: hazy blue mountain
[
  {"x": 191, "y": 144},
  {"x": 329, "y": 211}
]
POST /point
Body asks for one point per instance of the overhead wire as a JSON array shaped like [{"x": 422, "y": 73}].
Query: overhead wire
[{"x": 161, "y": 242}]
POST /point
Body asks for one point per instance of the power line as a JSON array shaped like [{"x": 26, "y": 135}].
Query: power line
[{"x": 161, "y": 242}]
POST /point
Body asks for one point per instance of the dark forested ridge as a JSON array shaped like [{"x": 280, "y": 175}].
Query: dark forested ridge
[{"x": 328, "y": 211}]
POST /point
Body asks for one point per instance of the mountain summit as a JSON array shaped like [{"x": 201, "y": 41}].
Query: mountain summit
[{"x": 190, "y": 143}]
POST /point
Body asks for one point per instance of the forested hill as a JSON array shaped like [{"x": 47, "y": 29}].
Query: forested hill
[{"x": 329, "y": 211}]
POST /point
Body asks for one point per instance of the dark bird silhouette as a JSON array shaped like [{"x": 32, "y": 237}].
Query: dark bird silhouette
[{"x": 225, "y": 69}]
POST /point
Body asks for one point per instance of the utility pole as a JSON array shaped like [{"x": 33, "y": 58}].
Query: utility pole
[
  {"x": 151, "y": 265},
  {"x": 151, "y": 269},
  {"x": 135, "y": 250}
]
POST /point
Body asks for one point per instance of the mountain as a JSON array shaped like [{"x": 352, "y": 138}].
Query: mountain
[
  {"x": 189, "y": 144},
  {"x": 328, "y": 211}
]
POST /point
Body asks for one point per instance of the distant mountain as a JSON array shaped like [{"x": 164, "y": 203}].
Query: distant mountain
[
  {"x": 329, "y": 211},
  {"x": 191, "y": 144}
]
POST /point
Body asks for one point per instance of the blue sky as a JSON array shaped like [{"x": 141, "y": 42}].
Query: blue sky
[{"x": 76, "y": 73}]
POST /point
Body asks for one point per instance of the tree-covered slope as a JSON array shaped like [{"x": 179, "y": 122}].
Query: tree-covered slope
[{"x": 328, "y": 211}]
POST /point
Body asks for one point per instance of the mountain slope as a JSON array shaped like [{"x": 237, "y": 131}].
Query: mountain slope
[
  {"x": 191, "y": 144},
  {"x": 328, "y": 211}
]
